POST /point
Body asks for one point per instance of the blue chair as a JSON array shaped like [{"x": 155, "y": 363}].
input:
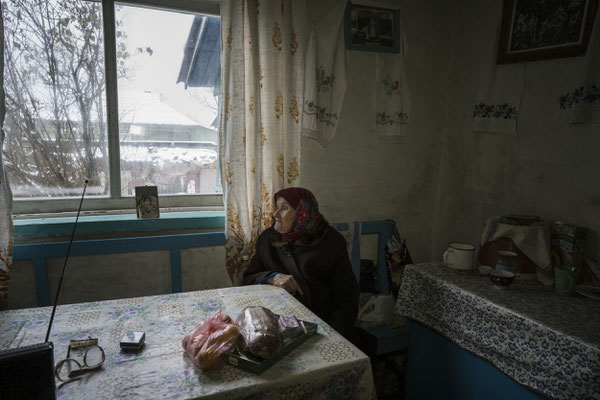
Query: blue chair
[{"x": 380, "y": 339}]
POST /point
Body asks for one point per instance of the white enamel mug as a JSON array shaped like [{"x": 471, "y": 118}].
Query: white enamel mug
[{"x": 459, "y": 255}]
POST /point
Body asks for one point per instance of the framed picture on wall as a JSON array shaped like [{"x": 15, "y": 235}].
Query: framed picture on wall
[
  {"x": 146, "y": 201},
  {"x": 541, "y": 29},
  {"x": 372, "y": 28}
]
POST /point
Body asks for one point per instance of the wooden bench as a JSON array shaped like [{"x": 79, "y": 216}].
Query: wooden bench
[{"x": 41, "y": 252}]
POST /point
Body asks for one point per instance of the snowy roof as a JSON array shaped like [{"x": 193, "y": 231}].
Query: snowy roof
[
  {"x": 201, "y": 63},
  {"x": 135, "y": 107},
  {"x": 138, "y": 107}
]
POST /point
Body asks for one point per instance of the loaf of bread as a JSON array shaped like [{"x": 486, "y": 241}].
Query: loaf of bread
[{"x": 259, "y": 331}]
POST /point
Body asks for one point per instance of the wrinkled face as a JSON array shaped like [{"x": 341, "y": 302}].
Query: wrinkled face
[{"x": 284, "y": 215}]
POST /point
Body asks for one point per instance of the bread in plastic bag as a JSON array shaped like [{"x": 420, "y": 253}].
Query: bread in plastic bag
[
  {"x": 205, "y": 344},
  {"x": 259, "y": 331}
]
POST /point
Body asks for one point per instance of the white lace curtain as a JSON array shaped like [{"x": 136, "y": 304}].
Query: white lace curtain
[
  {"x": 260, "y": 133},
  {"x": 6, "y": 227}
]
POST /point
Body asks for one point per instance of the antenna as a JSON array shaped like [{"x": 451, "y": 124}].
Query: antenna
[{"x": 62, "y": 274}]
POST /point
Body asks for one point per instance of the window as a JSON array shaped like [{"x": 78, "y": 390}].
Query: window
[{"x": 125, "y": 94}]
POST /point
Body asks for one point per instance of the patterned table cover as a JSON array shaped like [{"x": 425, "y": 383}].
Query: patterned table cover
[
  {"x": 326, "y": 366},
  {"x": 548, "y": 343}
]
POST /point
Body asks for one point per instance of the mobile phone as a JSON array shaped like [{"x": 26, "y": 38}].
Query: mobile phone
[{"x": 132, "y": 340}]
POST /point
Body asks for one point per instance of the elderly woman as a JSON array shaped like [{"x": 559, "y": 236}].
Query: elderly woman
[{"x": 304, "y": 255}]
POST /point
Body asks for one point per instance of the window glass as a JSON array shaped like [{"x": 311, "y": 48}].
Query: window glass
[
  {"x": 54, "y": 81},
  {"x": 168, "y": 85},
  {"x": 168, "y": 118}
]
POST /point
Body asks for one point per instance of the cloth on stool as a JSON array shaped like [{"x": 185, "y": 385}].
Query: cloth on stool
[{"x": 533, "y": 240}]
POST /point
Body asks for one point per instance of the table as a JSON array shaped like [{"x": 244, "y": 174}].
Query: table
[
  {"x": 547, "y": 343},
  {"x": 325, "y": 366}
]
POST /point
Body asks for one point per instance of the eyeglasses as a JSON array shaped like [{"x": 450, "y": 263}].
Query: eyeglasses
[{"x": 69, "y": 369}]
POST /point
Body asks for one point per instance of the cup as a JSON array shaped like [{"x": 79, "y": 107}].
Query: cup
[
  {"x": 507, "y": 261},
  {"x": 565, "y": 279},
  {"x": 459, "y": 255}
]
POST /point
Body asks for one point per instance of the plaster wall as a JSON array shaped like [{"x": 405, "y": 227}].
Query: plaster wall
[
  {"x": 355, "y": 178},
  {"x": 544, "y": 170}
]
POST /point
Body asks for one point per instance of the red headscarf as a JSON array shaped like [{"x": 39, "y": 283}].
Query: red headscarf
[{"x": 307, "y": 212}]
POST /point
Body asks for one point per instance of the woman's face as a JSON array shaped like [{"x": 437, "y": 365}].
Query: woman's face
[{"x": 284, "y": 215}]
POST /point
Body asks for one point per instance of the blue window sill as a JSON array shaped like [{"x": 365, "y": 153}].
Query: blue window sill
[{"x": 55, "y": 227}]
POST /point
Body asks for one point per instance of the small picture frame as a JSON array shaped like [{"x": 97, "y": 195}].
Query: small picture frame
[
  {"x": 537, "y": 30},
  {"x": 132, "y": 340},
  {"x": 146, "y": 200},
  {"x": 372, "y": 28}
]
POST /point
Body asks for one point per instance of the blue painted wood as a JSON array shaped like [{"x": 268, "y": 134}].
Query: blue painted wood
[
  {"x": 382, "y": 339},
  {"x": 388, "y": 339},
  {"x": 118, "y": 245},
  {"x": 438, "y": 368},
  {"x": 53, "y": 227},
  {"x": 383, "y": 230},
  {"x": 176, "y": 276},
  {"x": 343, "y": 227},
  {"x": 40, "y": 252}
]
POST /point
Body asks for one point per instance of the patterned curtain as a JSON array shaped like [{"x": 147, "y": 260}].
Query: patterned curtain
[
  {"x": 6, "y": 226},
  {"x": 260, "y": 134}
]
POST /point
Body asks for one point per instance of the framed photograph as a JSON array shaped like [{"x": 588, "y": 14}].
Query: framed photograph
[
  {"x": 146, "y": 200},
  {"x": 372, "y": 28},
  {"x": 541, "y": 29}
]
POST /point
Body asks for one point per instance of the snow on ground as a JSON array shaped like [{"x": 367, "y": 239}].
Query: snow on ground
[{"x": 162, "y": 155}]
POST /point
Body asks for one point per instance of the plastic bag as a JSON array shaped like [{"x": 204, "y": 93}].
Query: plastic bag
[
  {"x": 260, "y": 331},
  {"x": 378, "y": 310},
  {"x": 210, "y": 339},
  {"x": 290, "y": 327},
  {"x": 398, "y": 257}
]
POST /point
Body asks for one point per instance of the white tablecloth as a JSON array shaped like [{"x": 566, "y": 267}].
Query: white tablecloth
[{"x": 326, "y": 366}]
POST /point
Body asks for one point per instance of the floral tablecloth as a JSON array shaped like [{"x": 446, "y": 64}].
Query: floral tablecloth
[
  {"x": 548, "y": 343},
  {"x": 326, "y": 366}
]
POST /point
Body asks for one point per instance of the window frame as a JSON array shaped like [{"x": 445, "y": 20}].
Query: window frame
[{"x": 115, "y": 201}]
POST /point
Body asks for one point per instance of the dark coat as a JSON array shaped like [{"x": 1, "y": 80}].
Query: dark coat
[{"x": 321, "y": 268}]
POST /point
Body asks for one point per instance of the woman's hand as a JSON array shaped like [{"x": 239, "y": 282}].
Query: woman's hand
[{"x": 286, "y": 282}]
